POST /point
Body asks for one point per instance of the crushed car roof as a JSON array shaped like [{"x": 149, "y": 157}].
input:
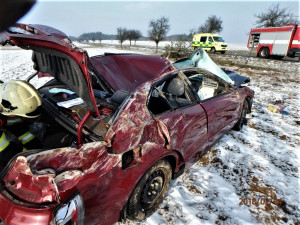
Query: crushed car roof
[{"x": 128, "y": 71}]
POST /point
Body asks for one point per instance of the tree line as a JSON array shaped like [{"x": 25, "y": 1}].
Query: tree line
[
  {"x": 274, "y": 16},
  {"x": 95, "y": 36}
]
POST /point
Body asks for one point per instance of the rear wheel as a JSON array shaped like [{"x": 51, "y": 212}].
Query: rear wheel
[
  {"x": 222, "y": 52},
  {"x": 150, "y": 191},
  {"x": 264, "y": 53},
  {"x": 212, "y": 50},
  {"x": 240, "y": 123}
]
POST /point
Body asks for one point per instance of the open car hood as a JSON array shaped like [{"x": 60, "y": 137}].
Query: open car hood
[{"x": 54, "y": 54}]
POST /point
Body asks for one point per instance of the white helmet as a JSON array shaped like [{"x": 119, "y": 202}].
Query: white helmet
[{"x": 19, "y": 98}]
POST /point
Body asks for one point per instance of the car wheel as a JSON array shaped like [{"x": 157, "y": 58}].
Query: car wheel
[
  {"x": 222, "y": 52},
  {"x": 212, "y": 50},
  {"x": 239, "y": 125},
  {"x": 150, "y": 191},
  {"x": 264, "y": 53}
]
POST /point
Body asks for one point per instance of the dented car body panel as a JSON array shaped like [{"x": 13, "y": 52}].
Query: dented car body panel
[
  {"x": 132, "y": 116},
  {"x": 126, "y": 72}
]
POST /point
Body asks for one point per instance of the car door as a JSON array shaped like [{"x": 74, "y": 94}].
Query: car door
[
  {"x": 210, "y": 40},
  {"x": 186, "y": 121},
  {"x": 220, "y": 102},
  {"x": 221, "y": 111},
  {"x": 203, "y": 40}
]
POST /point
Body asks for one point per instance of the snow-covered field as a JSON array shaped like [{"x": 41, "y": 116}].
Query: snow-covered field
[
  {"x": 248, "y": 177},
  {"x": 162, "y": 44}
]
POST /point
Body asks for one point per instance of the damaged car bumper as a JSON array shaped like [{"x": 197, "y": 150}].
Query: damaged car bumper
[
  {"x": 15, "y": 212},
  {"x": 20, "y": 213}
]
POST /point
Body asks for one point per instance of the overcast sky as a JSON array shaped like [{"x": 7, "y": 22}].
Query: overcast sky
[{"x": 76, "y": 17}]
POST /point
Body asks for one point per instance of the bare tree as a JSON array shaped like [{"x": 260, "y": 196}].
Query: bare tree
[
  {"x": 158, "y": 30},
  {"x": 133, "y": 35},
  {"x": 191, "y": 34},
  {"x": 213, "y": 24},
  {"x": 122, "y": 34},
  {"x": 136, "y": 35},
  {"x": 275, "y": 17},
  {"x": 100, "y": 37}
]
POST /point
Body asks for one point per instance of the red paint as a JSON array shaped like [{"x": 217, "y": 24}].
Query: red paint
[
  {"x": 80, "y": 127},
  {"x": 272, "y": 29},
  {"x": 126, "y": 72},
  {"x": 290, "y": 41},
  {"x": 29, "y": 187},
  {"x": 14, "y": 214}
]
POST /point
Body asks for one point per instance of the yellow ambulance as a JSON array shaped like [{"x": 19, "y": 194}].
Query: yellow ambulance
[{"x": 209, "y": 42}]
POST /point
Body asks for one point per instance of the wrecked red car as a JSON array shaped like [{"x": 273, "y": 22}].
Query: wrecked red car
[{"x": 139, "y": 121}]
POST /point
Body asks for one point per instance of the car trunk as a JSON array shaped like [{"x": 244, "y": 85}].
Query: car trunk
[{"x": 76, "y": 102}]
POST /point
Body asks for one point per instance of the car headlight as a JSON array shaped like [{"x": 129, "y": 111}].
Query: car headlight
[{"x": 71, "y": 212}]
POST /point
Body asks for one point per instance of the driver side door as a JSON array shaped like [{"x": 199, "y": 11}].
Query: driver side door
[{"x": 186, "y": 122}]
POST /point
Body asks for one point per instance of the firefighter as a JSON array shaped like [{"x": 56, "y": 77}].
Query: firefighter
[{"x": 20, "y": 104}]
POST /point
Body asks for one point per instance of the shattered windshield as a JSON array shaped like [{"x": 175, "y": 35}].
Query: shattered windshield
[{"x": 200, "y": 59}]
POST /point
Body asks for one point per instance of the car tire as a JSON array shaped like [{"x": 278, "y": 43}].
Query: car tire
[
  {"x": 212, "y": 50},
  {"x": 242, "y": 120},
  {"x": 222, "y": 52},
  {"x": 150, "y": 191},
  {"x": 264, "y": 53}
]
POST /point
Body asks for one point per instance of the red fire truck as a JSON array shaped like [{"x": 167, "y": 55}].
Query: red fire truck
[{"x": 275, "y": 42}]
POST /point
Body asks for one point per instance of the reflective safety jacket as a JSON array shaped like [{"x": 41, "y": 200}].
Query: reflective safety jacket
[{"x": 15, "y": 137}]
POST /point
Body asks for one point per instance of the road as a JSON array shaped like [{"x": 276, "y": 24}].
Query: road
[{"x": 251, "y": 56}]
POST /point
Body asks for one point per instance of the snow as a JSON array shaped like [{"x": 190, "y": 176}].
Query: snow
[
  {"x": 260, "y": 162},
  {"x": 231, "y": 46},
  {"x": 237, "y": 46},
  {"x": 138, "y": 43}
]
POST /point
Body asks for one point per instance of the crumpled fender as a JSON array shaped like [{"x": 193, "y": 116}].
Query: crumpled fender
[
  {"x": 135, "y": 125},
  {"x": 32, "y": 188},
  {"x": 50, "y": 176}
]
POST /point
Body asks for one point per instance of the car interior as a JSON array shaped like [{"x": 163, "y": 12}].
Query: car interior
[
  {"x": 169, "y": 94},
  {"x": 68, "y": 109},
  {"x": 205, "y": 86}
]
